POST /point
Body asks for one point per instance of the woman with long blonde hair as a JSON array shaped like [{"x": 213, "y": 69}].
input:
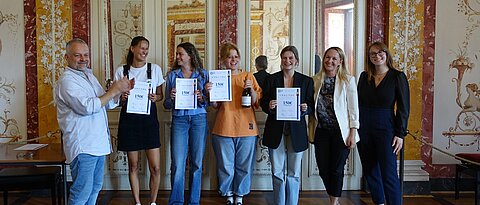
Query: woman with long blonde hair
[{"x": 333, "y": 127}]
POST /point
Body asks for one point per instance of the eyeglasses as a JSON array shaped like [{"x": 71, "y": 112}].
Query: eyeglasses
[{"x": 373, "y": 54}]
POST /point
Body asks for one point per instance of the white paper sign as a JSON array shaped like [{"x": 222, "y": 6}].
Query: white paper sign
[
  {"x": 138, "y": 101},
  {"x": 185, "y": 97},
  {"x": 28, "y": 147},
  {"x": 221, "y": 85},
  {"x": 288, "y": 104}
]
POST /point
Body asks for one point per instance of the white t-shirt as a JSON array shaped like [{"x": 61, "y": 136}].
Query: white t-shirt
[{"x": 140, "y": 74}]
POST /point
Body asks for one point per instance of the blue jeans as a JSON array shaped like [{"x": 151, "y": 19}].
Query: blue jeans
[
  {"x": 87, "y": 174},
  {"x": 286, "y": 187},
  {"x": 234, "y": 163},
  {"x": 189, "y": 134}
]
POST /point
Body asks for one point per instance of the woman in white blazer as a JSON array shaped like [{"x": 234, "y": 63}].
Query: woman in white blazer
[{"x": 333, "y": 127}]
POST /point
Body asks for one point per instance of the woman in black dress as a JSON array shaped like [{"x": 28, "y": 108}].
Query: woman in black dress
[
  {"x": 384, "y": 101},
  {"x": 138, "y": 132}
]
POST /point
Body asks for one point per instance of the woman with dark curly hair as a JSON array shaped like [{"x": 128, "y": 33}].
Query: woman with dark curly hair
[{"x": 189, "y": 126}]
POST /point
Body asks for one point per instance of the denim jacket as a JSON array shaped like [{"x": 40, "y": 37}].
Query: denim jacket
[{"x": 169, "y": 103}]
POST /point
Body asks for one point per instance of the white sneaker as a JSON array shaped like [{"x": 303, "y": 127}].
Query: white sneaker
[{"x": 153, "y": 203}]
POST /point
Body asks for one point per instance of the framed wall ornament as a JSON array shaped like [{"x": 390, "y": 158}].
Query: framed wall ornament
[{"x": 457, "y": 109}]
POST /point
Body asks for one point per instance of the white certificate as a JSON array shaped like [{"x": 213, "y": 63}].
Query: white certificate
[
  {"x": 221, "y": 85},
  {"x": 288, "y": 104},
  {"x": 185, "y": 97},
  {"x": 138, "y": 101}
]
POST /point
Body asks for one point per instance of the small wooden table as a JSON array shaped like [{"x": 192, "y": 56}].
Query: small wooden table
[{"x": 52, "y": 154}]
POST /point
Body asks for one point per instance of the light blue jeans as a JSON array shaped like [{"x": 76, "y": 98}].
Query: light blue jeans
[
  {"x": 87, "y": 174},
  {"x": 234, "y": 164},
  {"x": 285, "y": 187},
  {"x": 189, "y": 135}
]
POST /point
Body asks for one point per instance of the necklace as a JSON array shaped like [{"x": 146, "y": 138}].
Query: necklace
[
  {"x": 379, "y": 77},
  {"x": 381, "y": 74}
]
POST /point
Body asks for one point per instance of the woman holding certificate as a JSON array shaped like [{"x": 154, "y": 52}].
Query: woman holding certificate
[
  {"x": 235, "y": 130},
  {"x": 285, "y": 132},
  {"x": 189, "y": 126},
  {"x": 334, "y": 124},
  {"x": 138, "y": 127}
]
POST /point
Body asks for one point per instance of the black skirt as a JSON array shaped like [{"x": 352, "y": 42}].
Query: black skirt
[{"x": 137, "y": 131}]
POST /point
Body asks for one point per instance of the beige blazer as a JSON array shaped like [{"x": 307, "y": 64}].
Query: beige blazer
[{"x": 345, "y": 106}]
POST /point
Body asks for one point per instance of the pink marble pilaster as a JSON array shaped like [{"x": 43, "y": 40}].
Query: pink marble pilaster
[
  {"x": 110, "y": 49},
  {"x": 81, "y": 20},
  {"x": 31, "y": 68},
  {"x": 435, "y": 171},
  {"x": 227, "y": 21},
  {"x": 377, "y": 21},
  {"x": 316, "y": 20}
]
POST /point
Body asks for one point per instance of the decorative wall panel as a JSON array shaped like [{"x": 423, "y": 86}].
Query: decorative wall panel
[
  {"x": 53, "y": 30},
  {"x": 262, "y": 162},
  {"x": 12, "y": 72},
  {"x": 127, "y": 21},
  {"x": 269, "y": 32},
  {"x": 456, "y": 125},
  {"x": 48, "y": 27},
  {"x": 406, "y": 34},
  {"x": 186, "y": 23}
]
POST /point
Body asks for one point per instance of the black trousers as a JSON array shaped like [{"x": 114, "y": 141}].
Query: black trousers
[{"x": 331, "y": 154}]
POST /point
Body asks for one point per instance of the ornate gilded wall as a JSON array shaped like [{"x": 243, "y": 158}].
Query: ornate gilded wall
[
  {"x": 406, "y": 44},
  {"x": 438, "y": 41},
  {"x": 48, "y": 26},
  {"x": 53, "y": 30},
  {"x": 35, "y": 35}
]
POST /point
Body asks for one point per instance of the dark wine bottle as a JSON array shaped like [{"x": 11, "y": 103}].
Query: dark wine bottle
[{"x": 246, "y": 97}]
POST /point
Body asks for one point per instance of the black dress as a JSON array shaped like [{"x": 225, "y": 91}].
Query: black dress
[{"x": 138, "y": 131}]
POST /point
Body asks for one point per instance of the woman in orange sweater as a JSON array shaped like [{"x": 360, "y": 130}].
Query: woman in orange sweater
[{"x": 235, "y": 130}]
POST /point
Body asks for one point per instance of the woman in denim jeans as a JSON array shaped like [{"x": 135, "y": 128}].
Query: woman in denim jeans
[
  {"x": 189, "y": 126},
  {"x": 286, "y": 139},
  {"x": 235, "y": 130}
]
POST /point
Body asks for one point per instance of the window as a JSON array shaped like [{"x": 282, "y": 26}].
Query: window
[{"x": 336, "y": 28}]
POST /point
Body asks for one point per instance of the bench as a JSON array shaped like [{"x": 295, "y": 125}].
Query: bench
[
  {"x": 29, "y": 178},
  {"x": 466, "y": 165}
]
